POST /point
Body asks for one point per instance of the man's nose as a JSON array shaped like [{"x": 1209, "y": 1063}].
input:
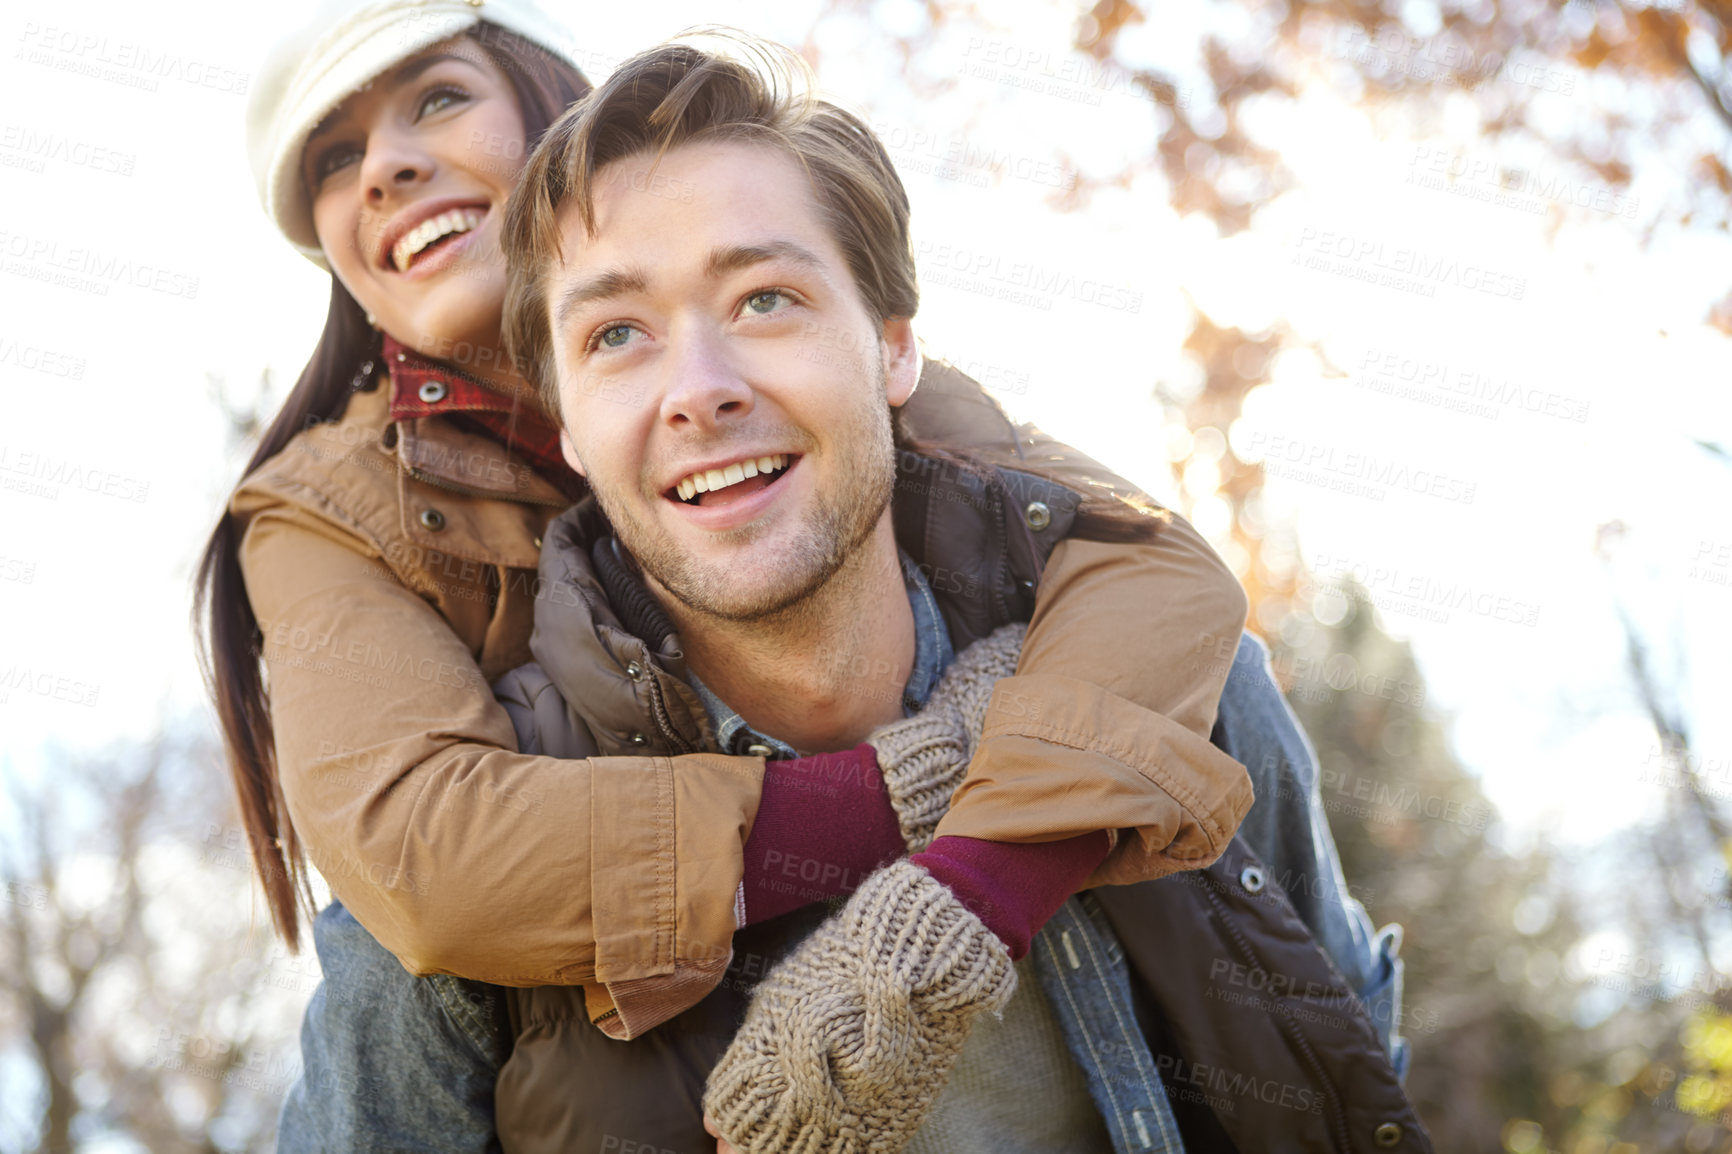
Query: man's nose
[{"x": 706, "y": 389}]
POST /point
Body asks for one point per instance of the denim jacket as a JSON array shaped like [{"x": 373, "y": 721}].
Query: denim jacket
[{"x": 1082, "y": 967}]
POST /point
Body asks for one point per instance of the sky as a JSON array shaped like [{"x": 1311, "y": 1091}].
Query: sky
[{"x": 1497, "y": 380}]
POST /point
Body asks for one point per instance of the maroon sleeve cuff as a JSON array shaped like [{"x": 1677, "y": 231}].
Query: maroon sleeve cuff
[
  {"x": 1014, "y": 888},
  {"x": 824, "y": 824}
]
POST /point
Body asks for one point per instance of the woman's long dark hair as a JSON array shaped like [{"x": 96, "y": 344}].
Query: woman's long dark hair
[{"x": 229, "y": 642}]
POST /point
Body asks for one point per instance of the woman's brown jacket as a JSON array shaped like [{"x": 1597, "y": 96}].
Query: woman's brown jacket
[{"x": 392, "y": 565}]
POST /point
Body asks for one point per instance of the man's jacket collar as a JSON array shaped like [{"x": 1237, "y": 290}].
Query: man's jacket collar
[{"x": 599, "y": 631}]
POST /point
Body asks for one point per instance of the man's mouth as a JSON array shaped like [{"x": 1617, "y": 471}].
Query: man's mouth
[
  {"x": 433, "y": 232},
  {"x": 723, "y": 486}
]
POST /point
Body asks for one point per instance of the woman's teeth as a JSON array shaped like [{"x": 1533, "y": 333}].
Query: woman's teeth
[
  {"x": 430, "y": 230},
  {"x": 709, "y": 480}
]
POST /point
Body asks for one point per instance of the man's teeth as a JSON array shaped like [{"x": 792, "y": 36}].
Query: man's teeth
[
  {"x": 709, "y": 480},
  {"x": 430, "y": 230}
]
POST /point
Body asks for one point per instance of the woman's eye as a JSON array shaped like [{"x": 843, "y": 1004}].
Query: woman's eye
[
  {"x": 766, "y": 301},
  {"x": 334, "y": 158},
  {"x": 442, "y": 97}
]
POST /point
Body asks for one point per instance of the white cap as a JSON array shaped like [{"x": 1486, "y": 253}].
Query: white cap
[{"x": 346, "y": 44}]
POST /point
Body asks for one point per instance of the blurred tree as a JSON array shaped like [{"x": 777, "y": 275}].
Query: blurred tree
[
  {"x": 1512, "y": 1052},
  {"x": 1650, "y": 86},
  {"x": 1684, "y": 996},
  {"x": 1486, "y": 931},
  {"x": 131, "y": 982},
  {"x": 1639, "y": 77},
  {"x": 1610, "y": 107}
]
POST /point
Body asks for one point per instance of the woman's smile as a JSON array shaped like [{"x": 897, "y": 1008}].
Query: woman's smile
[{"x": 424, "y": 228}]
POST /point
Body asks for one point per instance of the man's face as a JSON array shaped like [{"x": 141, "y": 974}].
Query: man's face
[{"x": 707, "y": 328}]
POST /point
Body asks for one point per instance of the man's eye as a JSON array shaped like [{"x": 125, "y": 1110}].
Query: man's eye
[
  {"x": 441, "y": 97},
  {"x": 612, "y": 337},
  {"x": 766, "y": 301}
]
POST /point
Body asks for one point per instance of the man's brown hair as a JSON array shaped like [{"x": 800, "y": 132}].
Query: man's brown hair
[{"x": 679, "y": 94}]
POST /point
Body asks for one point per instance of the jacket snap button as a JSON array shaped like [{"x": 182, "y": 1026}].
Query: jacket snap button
[
  {"x": 759, "y": 749},
  {"x": 634, "y": 671},
  {"x": 1037, "y": 515},
  {"x": 432, "y": 392},
  {"x": 538, "y": 542},
  {"x": 1252, "y": 879},
  {"x": 1388, "y": 1134},
  {"x": 639, "y": 739},
  {"x": 433, "y": 519}
]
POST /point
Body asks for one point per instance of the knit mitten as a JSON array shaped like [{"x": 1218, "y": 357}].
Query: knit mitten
[
  {"x": 925, "y": 757},
  {"x": 849, "y": 1040}
]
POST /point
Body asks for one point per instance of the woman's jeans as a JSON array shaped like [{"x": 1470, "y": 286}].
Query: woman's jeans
[{"x": 392, "y": 1062}]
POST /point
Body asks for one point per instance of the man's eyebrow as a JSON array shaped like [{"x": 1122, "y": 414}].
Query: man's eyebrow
[
  {"x": 612, "y": 283},
  {"x": 403, "y": 75},
  {"x": 723, "y": 260},
  {"x": 732, "y": 258}
]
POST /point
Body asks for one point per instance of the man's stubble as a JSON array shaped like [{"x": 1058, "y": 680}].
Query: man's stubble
[{"x": 832, "y": 534}]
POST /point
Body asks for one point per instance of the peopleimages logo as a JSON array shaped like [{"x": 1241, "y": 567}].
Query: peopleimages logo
[
  {"x": 1065, "y": 74},
  {"x": 1409, "y": 269},
  {"x": 29, "y": 680},
  {"x": 1391, "y": 51},
  {"x": 1347, "y": 471},
  {"x": 38, "y": 359},
  {"x": 1712, "y": 562},
  {"x": 1015, "y": 281},
  {"x": 37, "y": 148},
  {"x": 1480, "y": 178},
  {"x": 971, "y": 162},
  {"x": 122, "y": 61},
  {"x": 1466, "y": 390},
  {"x": 88, "y": 269},
  {"x": 1392, "y": 588},
  {"x": 42, "y": 475}
]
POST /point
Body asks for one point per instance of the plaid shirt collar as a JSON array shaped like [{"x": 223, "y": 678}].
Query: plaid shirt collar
[{"x": 421, "y": 387}]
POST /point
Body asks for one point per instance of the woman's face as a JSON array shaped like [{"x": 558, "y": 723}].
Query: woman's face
[{"x": 408, "y": 179}]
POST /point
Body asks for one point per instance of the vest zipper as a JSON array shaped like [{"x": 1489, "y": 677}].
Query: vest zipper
[
  {"x": 1337, "y": 1116},
  {"x": 664, "y": 720}
]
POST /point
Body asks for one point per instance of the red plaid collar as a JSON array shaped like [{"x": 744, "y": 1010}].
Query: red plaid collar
[{"x": 421, "y": 387}]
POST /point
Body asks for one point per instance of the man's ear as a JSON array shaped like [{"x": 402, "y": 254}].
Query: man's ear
[
  {"x": 569, "y": 452},
  {"x": 901, "y": 354}
]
